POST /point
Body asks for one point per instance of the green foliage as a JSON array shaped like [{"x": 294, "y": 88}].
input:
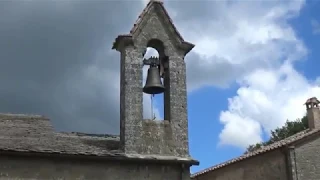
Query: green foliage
[
  {"x": 290, "y": 128},
  {"x": 254, "y": 147}
]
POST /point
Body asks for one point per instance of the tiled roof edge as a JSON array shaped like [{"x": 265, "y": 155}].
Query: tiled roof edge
[
  {"x": 13, "y": 115},
  {"x": 274, "y": 146}
]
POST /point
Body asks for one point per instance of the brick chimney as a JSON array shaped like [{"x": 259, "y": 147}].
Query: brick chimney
[{"x": 313, "y": 112}]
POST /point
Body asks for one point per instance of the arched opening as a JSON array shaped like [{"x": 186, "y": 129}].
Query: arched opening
[{"x": 153, "y": 105}]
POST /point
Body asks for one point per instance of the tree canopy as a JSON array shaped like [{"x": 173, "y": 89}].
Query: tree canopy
[{"x": 288, "y": 129}]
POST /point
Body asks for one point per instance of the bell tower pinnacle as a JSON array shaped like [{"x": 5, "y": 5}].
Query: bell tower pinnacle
[{"x": 154, "y": 28}]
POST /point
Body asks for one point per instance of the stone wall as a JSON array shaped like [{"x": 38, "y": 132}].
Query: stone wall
[
  {"x": 267, "y": 166},
  {"x": 313, "y": 114},
  {"x": 27, "y": 168},
  {"x": 307, "y": 158},
  {"x": 141, "y": 136}
]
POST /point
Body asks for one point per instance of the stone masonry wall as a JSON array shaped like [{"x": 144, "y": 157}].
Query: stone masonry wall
[
  {"x": 174, "y": 132},
  {"x": 140, "y": 136},
  {"x": 268, "y": 166},
  {"x": 313, "y": 115},
  {"x": 307, "y": 158},
  {"x": 18, "y": 168}
]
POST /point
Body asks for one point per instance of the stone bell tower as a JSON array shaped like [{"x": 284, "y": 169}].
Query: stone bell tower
[{"x": 169, "y": 137}]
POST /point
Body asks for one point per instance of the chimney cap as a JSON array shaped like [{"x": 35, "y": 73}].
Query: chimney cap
[{"x": 312, "y": 100}]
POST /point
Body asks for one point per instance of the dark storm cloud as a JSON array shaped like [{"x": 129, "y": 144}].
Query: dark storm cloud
[{"x": 56, "y": 60}]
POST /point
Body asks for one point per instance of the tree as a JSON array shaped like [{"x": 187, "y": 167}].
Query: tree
[{"x": 290, "y": 128}]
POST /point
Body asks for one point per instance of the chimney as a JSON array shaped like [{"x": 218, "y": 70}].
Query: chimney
[{"x": 313, "y": 113}]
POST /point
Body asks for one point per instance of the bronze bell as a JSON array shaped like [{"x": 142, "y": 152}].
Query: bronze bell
[{"x": 153, "y": 82}]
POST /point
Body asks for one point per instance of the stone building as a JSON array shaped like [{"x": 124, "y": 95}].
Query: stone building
[
  {"x": 294, "y": 158},
  {"x": 145, "y": 149}
]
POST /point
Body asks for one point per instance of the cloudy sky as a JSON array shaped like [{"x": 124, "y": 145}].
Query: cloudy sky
[{"x": 253, "y": 67}]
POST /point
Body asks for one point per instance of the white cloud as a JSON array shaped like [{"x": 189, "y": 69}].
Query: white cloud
[
  {"x": 251, "y": 35},
  {"x": 253, "y": 44},
  {"x": 266, "y": 99},
  {"x": 238, "y": 129},
  {"x": 315, "y": 26}
]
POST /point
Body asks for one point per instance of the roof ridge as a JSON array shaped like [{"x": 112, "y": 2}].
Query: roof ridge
[
  {"x": 286, "y": 141},
  {"x": 82, "y": 134},
  {"x": 21, "y": 115}
]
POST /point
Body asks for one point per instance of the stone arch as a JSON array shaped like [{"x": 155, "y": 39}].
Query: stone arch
[
  {"x": 157, "y": 45},
  {"x": 163, "y": 47}
]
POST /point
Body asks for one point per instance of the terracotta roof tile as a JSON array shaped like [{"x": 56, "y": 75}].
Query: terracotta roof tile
[{"x": 273, "y": 146}]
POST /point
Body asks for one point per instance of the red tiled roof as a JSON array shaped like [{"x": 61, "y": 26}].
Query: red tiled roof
[{"x": 273, "y": 146}]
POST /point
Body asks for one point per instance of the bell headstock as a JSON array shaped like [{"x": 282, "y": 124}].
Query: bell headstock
[{"x": 152, "y": 61}]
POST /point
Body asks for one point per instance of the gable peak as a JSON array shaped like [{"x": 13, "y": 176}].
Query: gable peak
[
  {"x": 144, "y": 13},
  {"x": 154, "y": 4}
]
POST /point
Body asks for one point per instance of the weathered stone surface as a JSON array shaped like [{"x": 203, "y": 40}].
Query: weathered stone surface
[
  {"x": 33, "y": 133},
  {"x": 169, "y": 137},
  {"x": 65, "y": 169},
  {"x": 268, "y": 166},
  {"x": 313, "y": 113},
  {"x": 307, "y": 159}
]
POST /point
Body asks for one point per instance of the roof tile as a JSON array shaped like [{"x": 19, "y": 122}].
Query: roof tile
[
  {"x": 273, "y": 146},
  {"x": 34, "y": 134}
]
